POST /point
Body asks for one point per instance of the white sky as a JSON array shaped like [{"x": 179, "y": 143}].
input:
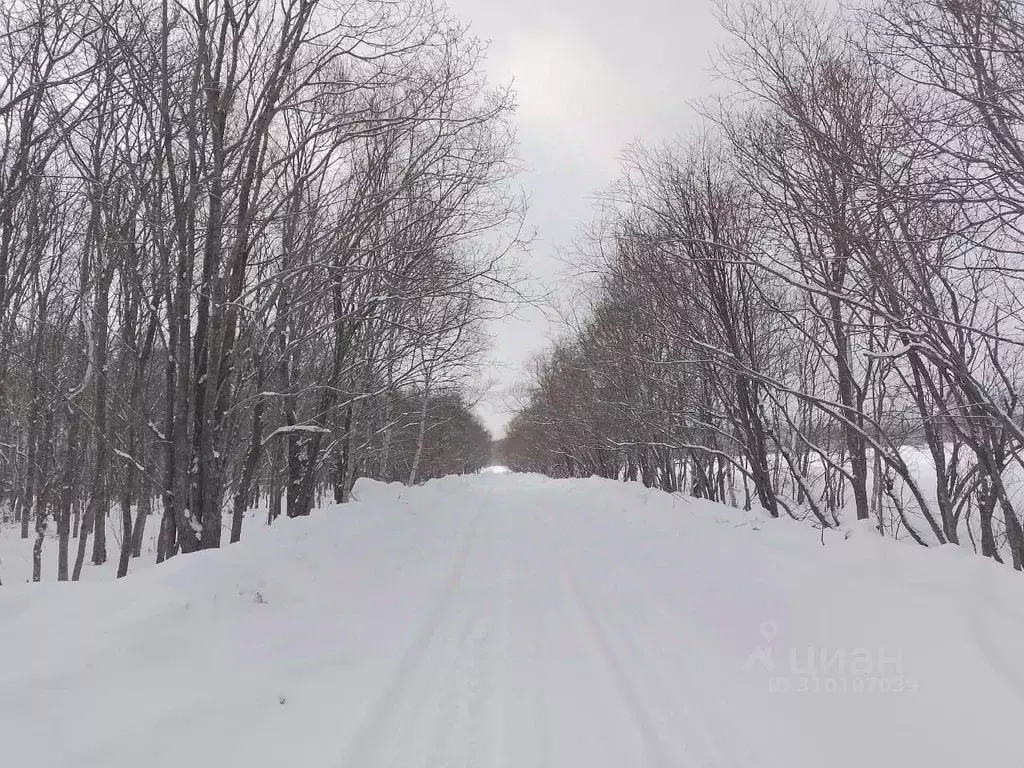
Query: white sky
[{"x": 591, "y": 76}]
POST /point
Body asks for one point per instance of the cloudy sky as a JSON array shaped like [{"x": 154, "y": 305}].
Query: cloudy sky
[{"x": 591, "y": 76}]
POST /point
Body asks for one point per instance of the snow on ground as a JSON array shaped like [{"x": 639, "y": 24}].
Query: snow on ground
[
  {"x": 496, "y": 469},
  {"x": 511, "y": 620},
  {"x": 923, "y": 472}
]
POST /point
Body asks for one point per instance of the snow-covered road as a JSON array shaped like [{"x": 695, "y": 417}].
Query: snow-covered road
[{"x": 506, "y": 620}]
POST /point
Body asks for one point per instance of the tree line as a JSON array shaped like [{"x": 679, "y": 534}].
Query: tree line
[
  {"x": 815, "y": 304},
  {"x": 246, "y": 251}
]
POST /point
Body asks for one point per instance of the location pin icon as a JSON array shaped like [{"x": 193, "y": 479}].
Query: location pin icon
[{"x": 769, "y": 630}]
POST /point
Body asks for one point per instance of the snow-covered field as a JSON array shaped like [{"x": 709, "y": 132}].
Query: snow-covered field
[{"x": 511, "y": 620}]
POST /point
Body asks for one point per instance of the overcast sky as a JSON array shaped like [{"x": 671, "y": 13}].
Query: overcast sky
[{"x": 591, "y": 76}]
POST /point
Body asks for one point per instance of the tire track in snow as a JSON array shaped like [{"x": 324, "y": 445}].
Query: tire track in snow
[
  {"x": 374, "y": 734},
  {"x": 671, "y": 703},
  {"x": 682, "y": 691},
  {"x": 655, "y": 753},
  {"x": 460, "y": 689}
]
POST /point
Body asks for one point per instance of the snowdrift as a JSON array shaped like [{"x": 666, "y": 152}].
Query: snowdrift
[{"x": 510, "y": 620}]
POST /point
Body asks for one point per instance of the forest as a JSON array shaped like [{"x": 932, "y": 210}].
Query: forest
[
  {"x": 814, "y": 304},
  {"x": 247, "y": 254}
]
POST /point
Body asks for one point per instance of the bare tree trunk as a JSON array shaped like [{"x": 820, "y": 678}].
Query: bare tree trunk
[
  {"x": 100, "y": 495},
  {"x": 275, "y": 489},
  {"x": 83, "y": 538},
  {"x": 68, "y": 491},
  {"x": 986, "y": 507},
  {"x": 421, "y": 433},
  {"x": 344, "y": 459},
  {"x": 126, "y": 527},
  {"x": 28, "y": 496},
  {"x": 145, "y": 510},
  {"x": 37, "y": 546},
  {"x": 252, "y": 458}
]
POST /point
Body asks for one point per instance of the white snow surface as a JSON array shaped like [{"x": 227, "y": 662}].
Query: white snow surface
[{"x": 511, "y": 620}]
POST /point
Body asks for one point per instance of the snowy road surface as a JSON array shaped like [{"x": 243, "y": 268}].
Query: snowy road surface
[{"x": 518, "y": 621}]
